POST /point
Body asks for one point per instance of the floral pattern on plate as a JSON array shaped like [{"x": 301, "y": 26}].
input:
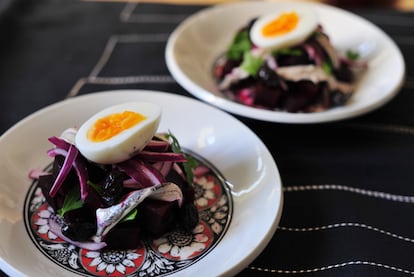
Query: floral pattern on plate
[{"x": 170, "y": 253}]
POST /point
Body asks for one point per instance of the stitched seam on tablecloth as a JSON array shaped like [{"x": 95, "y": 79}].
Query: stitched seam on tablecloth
[
  {"x": 345, "y": 224},
  {"x": 144, "y": 79},
  {"x": 370, "y": 193},
  {"x": 128, "y": 16},
  {"x": 334, "y": 266},
  {"x": 115, "y": 39},
  {"x": 405, "y": 130}
]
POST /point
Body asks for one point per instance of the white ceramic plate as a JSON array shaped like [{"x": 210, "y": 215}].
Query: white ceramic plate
[
  {"x": 194, "y": 46},
  {"x": 218, "y": 137}
]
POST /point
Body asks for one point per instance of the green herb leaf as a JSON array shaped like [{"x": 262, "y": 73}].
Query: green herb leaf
[
  {"x": 191, "y": 162},
  {"x": 131, "y": 216},
  {"x": 72, "y": 201},
  {"x": 241, "y": 44},
  {"x": 327, "y": 67},
  {"x": 352, "y": 55},
  {"x": 99, "y": 189},
  {"x": 251, "y": 64}
]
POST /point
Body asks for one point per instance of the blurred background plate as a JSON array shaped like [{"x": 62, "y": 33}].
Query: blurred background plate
[{"x": 197, "y": 42}]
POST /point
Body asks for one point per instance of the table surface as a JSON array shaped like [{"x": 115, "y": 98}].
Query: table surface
[{"x": 348, "y": 186}]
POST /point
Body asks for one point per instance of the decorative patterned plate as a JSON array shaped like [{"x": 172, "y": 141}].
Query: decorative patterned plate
[
  {"x": 244, "y": 178},
  {"x": 171, "y": 253}
]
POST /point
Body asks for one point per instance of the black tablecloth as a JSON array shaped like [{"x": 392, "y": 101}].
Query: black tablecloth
[{"x": 348, "y": 186}]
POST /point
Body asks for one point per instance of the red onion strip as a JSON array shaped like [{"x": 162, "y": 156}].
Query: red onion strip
[
  {"x": 157, "y": 146},
  {"x": 142, "y": 173},
  {"x": 66, "y": 167}
]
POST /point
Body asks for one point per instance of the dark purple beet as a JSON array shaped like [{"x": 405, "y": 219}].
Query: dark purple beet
[
  {"x": 300, "y": 95},
  {"x": 266, "y": 96},
  {"x": 157, "y": 217},
  {"x": 288, "y": 60},
  {"x": 344, "y": 73},
  {"x": 79, "y": 224},
  {"x": 125, "y": 235},
  {"x": 45, "y": 183}
]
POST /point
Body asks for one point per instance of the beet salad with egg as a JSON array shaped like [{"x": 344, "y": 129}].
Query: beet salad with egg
[
  {"x": 115, "y": 181},
  {"x": 284, "y": 61}
]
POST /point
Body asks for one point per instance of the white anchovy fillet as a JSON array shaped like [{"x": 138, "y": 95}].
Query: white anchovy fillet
[
  {"x": 107, "y": 218},
  {"x": 69, "y": 135}
]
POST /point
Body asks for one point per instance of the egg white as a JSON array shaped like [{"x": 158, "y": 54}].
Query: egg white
[
  {"x": 308, "y": 21},
  {"x": 125, "y": 144}
]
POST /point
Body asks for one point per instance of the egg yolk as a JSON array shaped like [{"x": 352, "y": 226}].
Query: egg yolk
[
  {"x": 113, "y": 124},
  {"x": 284, "y": 23}
]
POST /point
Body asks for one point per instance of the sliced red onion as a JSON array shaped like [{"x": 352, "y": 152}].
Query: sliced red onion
[
  {"x": 157, "y": 146},
  {"x": 56, "y": 228},
  {"x": 66, "y": 167},
  {"x": 132, "y": 184},
  {"x": 82, "y": 173},
  {"x": 163, "y": 167},
  {"x": 79, "y": 166},
  {"x": 36, "y": 173},
  {"x": 60, "y": 143},
  {"x": 141, "y": 173},
  {"x": 57, "y": 151},
  {"x": 178, "y": 169},
  {"x": 201, "y": 170}
]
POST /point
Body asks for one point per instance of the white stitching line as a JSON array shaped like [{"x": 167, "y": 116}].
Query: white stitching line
[
  {"x": 127, "y": 11},
  {"x": 406, "y": 130},
  {"x": 346, "y": 224},
  {"x": 127, "y": 15},
  {"x": 370, "y": 193},
  {"x": 323, "y": 268},
  {"x": 115, "y": 39},
  {"x": 106, "y": 55},
  {"x": 119, "y": 81}
]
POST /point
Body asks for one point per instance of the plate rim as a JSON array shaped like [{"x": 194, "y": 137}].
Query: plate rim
[
  {"x": 10, "y": 269},
  {"x": 330, "y": 115}
]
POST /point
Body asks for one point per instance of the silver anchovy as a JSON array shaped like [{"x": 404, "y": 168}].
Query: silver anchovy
[{"x": 107, "y": 218}]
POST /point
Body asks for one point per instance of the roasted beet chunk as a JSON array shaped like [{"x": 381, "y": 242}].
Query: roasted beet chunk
[
  {"x": 113, "y": 188},
  {"x": 125, "y": 235},
  {"x": 79, "y": 224},
  {"x": 344, "y": 74},
  {"x": 268, "y": 77},
  {"x": 295, "y": 56},
  {"x": 188, "y": 217},
  {"x": 300, "y": 95},
  {"x": 267, "y": 97},
  {"x": 157, "y": 217}
]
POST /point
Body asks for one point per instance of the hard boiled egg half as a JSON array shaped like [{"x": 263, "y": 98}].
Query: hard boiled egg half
[
  {"x": 118, "y": 132},
  {"x": 283, "y": 28}
]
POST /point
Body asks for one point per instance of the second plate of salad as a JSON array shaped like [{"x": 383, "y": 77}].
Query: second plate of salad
[{"x": 285, "y": 62}]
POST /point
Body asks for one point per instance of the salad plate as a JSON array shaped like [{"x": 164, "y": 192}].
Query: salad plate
[
  {"x": 253, "y": 198},
  {"x": 201, "y": 39}
]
